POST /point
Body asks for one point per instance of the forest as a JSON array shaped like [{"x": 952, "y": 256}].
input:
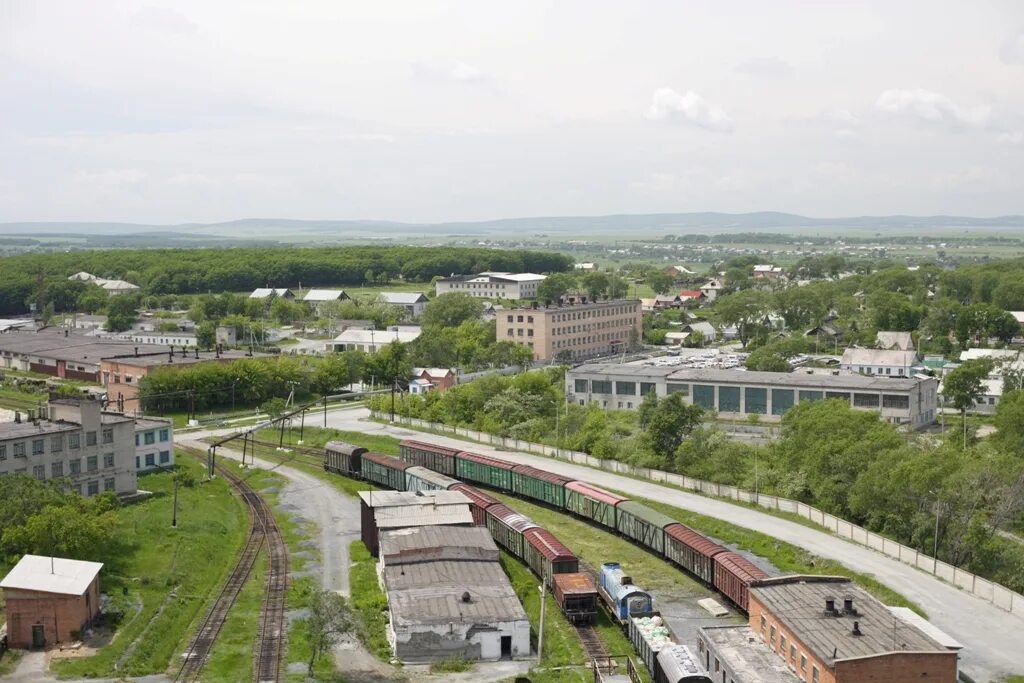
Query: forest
[{"x": 42, "y": 278}]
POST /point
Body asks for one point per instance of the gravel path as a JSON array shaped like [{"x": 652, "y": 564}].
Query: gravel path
[{"x": 991, "y": 636}]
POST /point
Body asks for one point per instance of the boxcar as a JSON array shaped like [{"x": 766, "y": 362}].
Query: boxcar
[
  {"x": 576, "y": 596},
  {"x": 479, "y": 502},
  {"x": 546, "y": 487},
  {"x": 620, "y": 595},
  {"x": 343, "y": 458},
  {"x": 676, "y": 664},
  {"x": 384, "y": 470},
  {"x": 642, "y": 524},
  {"x": 546, "y": 555},
  {"x": 507, "y": 527},
  {"x": 422, "y": 479},
  {"x": 733, "y": 576},
  {"x": 592, "y": 503},
  {"x": 692, "y": 551},
  {"x": 430, "y": 455},
  {"x": 650, "y": 635},
  {"x": 485, "y": 470}
]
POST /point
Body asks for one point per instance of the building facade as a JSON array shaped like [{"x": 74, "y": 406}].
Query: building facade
[
  {"x": 493, "y": 285},
  {"x": 154, "y": 444},
  {"x": 573, "y": 332},
  {"x": 414, "y": 303},
  {"x": 736, "y": 394},
  {"x": 94, "y": 451},
  {"x": 370, "y": 341},
  {"x": 880, "y": 362},
  {"x": 50, "y": 600}
]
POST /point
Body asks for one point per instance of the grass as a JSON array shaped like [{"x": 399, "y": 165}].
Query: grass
[
  {"x": 451, "y": 665},
  {"x": 9, "y": 661},
  {"x": 368, "y": 601},
  {"x": 232, "y": 656},
  {"x": 317, "y": 437},
  {"x": 170, "y": 575}
]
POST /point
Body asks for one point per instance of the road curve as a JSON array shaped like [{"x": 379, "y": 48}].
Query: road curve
[{"x": 991, "y": 637}]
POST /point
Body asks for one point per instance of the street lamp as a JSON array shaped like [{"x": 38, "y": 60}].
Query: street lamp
[{"x": 174, "y": 510}]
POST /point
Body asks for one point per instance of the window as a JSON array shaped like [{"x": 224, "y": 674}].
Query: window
[
  {"x": 782, "y": 645},
  {"x": 729, "y": 399},
  {"x": 165, "y": 435},
  {"x": 90, "y": 438},
  {"x": 803, "y": 662},
  {"x": 91, "y": 463},
  {"x": 57, "y": 469},
  {"x": 764, "y": 624},
  {"x": 508, "y": 319},
  {"x": 895, "y": 401},
  {"x": 38, "y": 446},
  {"x": 93, "y": 488},
  {"x": 510, "y": 332},
  {"x": 601, "y": 386},
  {"x": 138, "y": 463},
  {"x": 165, "y": 457},
  {"x": 782, "y": 400},
  {"x": 150, "y": 438},
  {"x": 529, "y": 318},
  {"x": 581, "y": 386},
  {"x": 108, "y": 459},
  {"x": 519, "y": 318},
  {"x": 3, "y": 451},
  {"x": 815, "y": 676},
  {"x": 865, "y": 400},
  {"x": 136, "y": 440},
  {"x": 704, "y": 396},
  {"x": 18, "y": 450},
  {"x": 757, "y": 400},
  {"x": 74, "y": 441},
  {"x": 625, "y": 388},
  {"x": 39, "y": 471},
  {"x": 810, "y": 396},
  {"x": 792, "y": 653},
  {"x": 150, "y": 460},
  {"x": 683, "y": 389},
  {"x": 529, "y": 332},
  {"x": 108, "y": 435},
  {"x": 771, "y": 636},
  {"x": 74, "y": 466},
  {"x": 648, "y": 388},
  {"x": 57, "y": 443},
  {"x": 519, "y": 332},
  {"x": 108, "y": 484},
  {"x": 840, "y": 395}
]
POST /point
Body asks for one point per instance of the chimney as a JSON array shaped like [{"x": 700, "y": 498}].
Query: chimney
[
  {"x": 136, "y": 351},
  {"x": 466, "y": 597},
  {"x": 848, "y": 605},
  {"x": 856, "y": 629},
  {"x": 830, "y": 605}
]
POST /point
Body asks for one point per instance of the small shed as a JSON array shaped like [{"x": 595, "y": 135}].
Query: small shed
[{"x": 50, "y": 600}]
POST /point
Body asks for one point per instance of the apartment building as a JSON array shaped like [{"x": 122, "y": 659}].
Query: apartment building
[
  {"x": 573, "y": 332},
  {"x": 74, "y": 440},
  {"x": 154, "y": 444},
  {"x": 492, "y": 285}
]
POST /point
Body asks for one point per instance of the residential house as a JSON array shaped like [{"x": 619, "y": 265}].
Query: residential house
[
  {"x": 441, "y": 379},
  {"x": 880, "y": 362},
  {"x": 662, "y": 301},
  {"x": 318, "y": 297},
  {"x": 678, "y": 271},
  {"x": 111, "y": 287},
  {"x": 267, "y": 292},
  {"x": 585, "y": 267},
  {"x": 898, "y": 341},
  {"x": 413, "y": 302},
  {"x": 766, "y": 271},
  {"x": 370, "y": 341},
  {"x": 576, "y": 332},
  {"x": 704, "y": 328},
  {"x": 689, "y": 298},
  {"x": 711, "y": 289}
]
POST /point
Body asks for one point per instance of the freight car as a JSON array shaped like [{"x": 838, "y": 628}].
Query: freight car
[
  {"x": 546, "y": 487},
  {"x": 384, "y": 470},
  {"x": 483, "y": 469},
  {"x": 546, "y": 555},
  {"x": 622, "y": 598},
  {"x": 649, "y": 634},
  {"x": 676, "y": 664},
  {"x": 343, "y": 458},
  {"x": 422, "y": 479},
  {"x": 733, "y": 576},
  {"x": 430, "y": 455},
  {"x": 592, "y": 503},
  {"x": 507, "y": 527},
  {"x": 479, "y": 502},
  {"x": 642, "y": 524},
  {"x": 576, "y": 596},
  {"x": 692, "y": 551}
]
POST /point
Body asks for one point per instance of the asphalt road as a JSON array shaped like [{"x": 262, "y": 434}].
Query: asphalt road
[{"x": 992, "y": 638}]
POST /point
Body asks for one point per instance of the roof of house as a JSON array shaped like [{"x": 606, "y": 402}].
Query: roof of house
[
  {"x": 1018, "y": 315},
  {"x": 143, "y": 423},
  {"x": 352, "y": 336},
  {"x": 264, "y": 292},
  {"x": 439, "y": 373},
  {"x": 799, "y": 603},
  {"x": 702, "y": 326},
  {"x": 116, "y": 284},
  {"x": 403, "y": 298},
  {"x": 84, "y": 276},
  {"x": 882, "y": 357},
  {"x": 894, "y": 340},
  {"x": 424, "y": 514},
  {"x": 318, "y": 295},
  {"x": 514, "y": 277},
  {"x": 975, "y": 354},
  {"x": 712, "y": 284},
  {"x": 26, "y": 429},
  {"x": 432, "y": 593},
  {"x": 51, "y": 575},
  {"x": 690, "y": 294}
]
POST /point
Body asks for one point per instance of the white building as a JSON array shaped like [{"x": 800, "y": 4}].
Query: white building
[
  {"x": 370, "y": 341},
  {"x": 412, "y": 302},
  {"x": 766, "y": 271},
  {"x": 493, "y": 285},
  {"x": 111, "y": 287},
  {"x": 318, "y": 297},
  {"x": 154, "y": 444},
  {"x": 881, "y": 362},
  {"x": 711, "y": 289},
  {"x": 266, "y": 292}
]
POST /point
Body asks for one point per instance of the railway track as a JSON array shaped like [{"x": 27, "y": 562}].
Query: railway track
[{"x": 271, "y": 633}]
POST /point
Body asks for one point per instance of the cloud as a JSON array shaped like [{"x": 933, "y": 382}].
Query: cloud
[
  {"x": 1012, "y": 50},
  {"x": 932, "y": 108},
  {"x": 163, "y": 19},
  {"x": 458, "y": 72},
  {"x": 1011, "y": 137},
  {"x": 691, "y": 108},
  {"x": 464, "y": 73},
  {"x": 765, "y": 67}
]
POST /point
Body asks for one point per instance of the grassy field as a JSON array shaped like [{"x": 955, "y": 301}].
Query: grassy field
[
  {"x": 170, "y": 575},
  {"x": 232, "y": 656},
  {"x": 368, "y": 601}
]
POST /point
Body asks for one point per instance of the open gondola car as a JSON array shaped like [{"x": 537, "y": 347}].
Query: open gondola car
[
  {"x": 343, "y": 458},
  {"x": 692, "y": 551},
  {"x": 384, "y": 470},
  {"x": 483, "y": 469},
  {"x": 733, "y": 576},
  {"x": 430, "y": 455},
  {"x": 592, "y": 503},
  {"x": 478, "y": 502},
  {"x": 546, "y": 555},
  {"x": 576, "y": 596},
  {"x": 507, "y": 527}
]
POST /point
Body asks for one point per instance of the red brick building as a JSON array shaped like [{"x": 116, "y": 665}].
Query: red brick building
[{"x": 50, "y": 600}]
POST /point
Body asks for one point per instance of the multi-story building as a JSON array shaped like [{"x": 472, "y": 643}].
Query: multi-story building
[
  {"x": 493, "y": 285},
  {"x": 154, "y": 443},
  {"x": 881, "y": 362},
  {"x": 829, "y": 630},
  {"x": 575, "y": 331},
  {"x": 76, "y": 441},
  {"x": 738, "y": 394}
]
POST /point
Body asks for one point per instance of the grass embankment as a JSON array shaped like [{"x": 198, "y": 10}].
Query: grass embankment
[
  {"x": 231, "y": 658},
  {"x": 368, "y": 601},
  {"x": 171, "y": 575}
]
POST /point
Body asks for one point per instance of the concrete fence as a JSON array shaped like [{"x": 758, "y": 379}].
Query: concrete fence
[{"x": 998, "y": 595}]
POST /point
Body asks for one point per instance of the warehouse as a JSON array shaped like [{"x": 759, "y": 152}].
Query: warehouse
[
  {"x": 388, "y": 510},
  {"x": 734, "y": 394},
  {"x": 50, "y": 600},
  {"x": 449, "y": 597},
  {"x": 734, "y": 655}
]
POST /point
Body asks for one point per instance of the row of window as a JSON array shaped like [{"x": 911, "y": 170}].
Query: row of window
[
  {"x": 150, "y": 437},
  {"x": 594, "y": 313},
  {"x": 792, "y": 653},
  {"x": 74, "y": 467},
  {"x": 881, "y": 371},
  {"x": 18, "y": 449},
  {"x": 165, "y": 457}
]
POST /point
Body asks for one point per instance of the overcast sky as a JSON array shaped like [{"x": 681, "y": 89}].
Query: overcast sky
[{"x": 427, "y": 111}]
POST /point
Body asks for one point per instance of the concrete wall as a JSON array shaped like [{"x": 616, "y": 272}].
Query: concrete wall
[{"x": 475, "y": 642}]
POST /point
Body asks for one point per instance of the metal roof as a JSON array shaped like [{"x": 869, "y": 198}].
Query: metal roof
[
  {"x": 510, "y": 517},
  {"x": 432, "y": 543},
  {"x": 549, "y": 546},
  {"x": 883, "y": 357},
  {"x": 576, "y": 583},
  {"x": 426, "y": 514},
  {"x": 25, "y": 429},
  {"x": 931, "y": 630},
  {"x": 594, "y": 492},
  {"x": 432, "y": 447},
  {"x": 431, "y": 593},
  {"x": 325, "y": 295},
  {"x": 695, "y": 540},
  {"x": 794, "y": 379},
  {"x": 486, "y": 460},
  {"x": 388, "y": 499},
  {"x": 747, "y": 656},
  {"x": 403, "y": 298},
  {"x": 740, "y": 566},
  {"x": 799, "y": 603},
  {"x": 645, "y": 513},
  {"x": 429, "y": 475},
  {"x": 478, "y": 497},
  {"x": 543, "y": 475},
  {"x": 386, "y": 461},
  {"x": 51, "y": 575}
]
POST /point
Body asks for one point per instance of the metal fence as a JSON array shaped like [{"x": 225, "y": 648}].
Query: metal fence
[{"x": 998, "y": 595}]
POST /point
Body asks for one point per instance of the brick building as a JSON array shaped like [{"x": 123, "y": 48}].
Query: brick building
[
  {"x": 50, "y": 600},
  {"x": 575, "y": 331},
  {"x": 828, "y": 630}
]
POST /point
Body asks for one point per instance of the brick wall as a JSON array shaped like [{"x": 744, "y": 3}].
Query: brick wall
[{"x": 59, "y": 614}]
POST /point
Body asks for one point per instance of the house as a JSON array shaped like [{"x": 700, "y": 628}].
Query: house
[
  {"x": 317, "y": 297},
  {"x": 370, "y": 341},
  {"x": 704, "y": 328},
  {"x": 711, "y": 289},
  {"x": 413, "y": 302},
  {"x": 441, "y": 379},
  {"x": 50, "y": 600},
  {"x": 691, "y": 297},
  {"x": 880, "y": 362},
  {"x": 678, "y": 271},
  {"x": 585, "y": 267},
  {"x": 648, "y": 305},
  {"x": 267, "y": 292},
  {"x": 662, "y": 301},
  {"x": 766, "y": 271},
  {"x": 899, "y": 341},
  {"x": 573, "y": 332},
  {"x": 154, "y": 444}
]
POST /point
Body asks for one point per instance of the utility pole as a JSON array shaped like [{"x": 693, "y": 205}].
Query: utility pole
[{"x": 540, "y": 633}]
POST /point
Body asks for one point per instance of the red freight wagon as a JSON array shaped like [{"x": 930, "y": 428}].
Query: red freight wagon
[
  {"x": 546, "y": 555},
  {"x": 692, "y": 551},
  {"x": 479, "y": 502},
  {"x": 430, "y": 455},
  {"x": 733, "y": 576},
  {"x": 576, "y": 595}
]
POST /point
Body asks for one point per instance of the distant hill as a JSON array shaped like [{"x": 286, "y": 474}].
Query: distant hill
[{"x": 283, "y": 228}]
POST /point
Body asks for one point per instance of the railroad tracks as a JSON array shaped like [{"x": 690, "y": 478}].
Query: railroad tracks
[{"x": 271, "y": 633}]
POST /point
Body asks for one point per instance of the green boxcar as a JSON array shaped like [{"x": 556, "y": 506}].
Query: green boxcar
[
  {"x": 384, "y": 470},
  {"x": 546, "y": 487},
  {"x": 592, "y": 503},
  {"x": 643, "y": 525},
  {"x": 480, "y": 469}
]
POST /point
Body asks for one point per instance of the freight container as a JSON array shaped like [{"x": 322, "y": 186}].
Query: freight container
[
  {"x": 546, "y": 487},
  {"x": 692, "y": 551},
  {"x": 507, "y": 527},
  {"x": 649, "y": 634},
  {"x": 479, "y": 501},
  {"x": 482, "y": 469},
  {"x": 546, "y": 555},
  {"x": 384, "y": 470},
  {"x": 733, "y": 576},
  {"x": 343, "y": 458},
  {"x": 422, "y": 479},
  {"x": 676, "y": 664},
  {"x": 430, "y": 455},
  {"x": 576, "y": 596},
  {"x": 592, "y": 503},
  {"x": 642, "y": 524}
]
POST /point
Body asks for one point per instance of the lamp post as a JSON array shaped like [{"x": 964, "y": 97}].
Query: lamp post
[{"x": 174, "y": 510}]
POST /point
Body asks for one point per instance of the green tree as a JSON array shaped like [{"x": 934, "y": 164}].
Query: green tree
[
  {"x": 596, "y": 284},
  {"x": 660, "y": 281},
  {"x": 77, "y": 528},
  {"x": 670, "y": 422},
  {"x": 389, "y": 365},
  {"x": 743, "y": 309},
  {"x": 554, "y": 286},
  {"x": 122, "y": 312},
  {"x": 328, "y": 620},
  {"x": 206, "y": 335},
  {"x": 451, "y": 310},
  {"x": 965, "y": 385},
  {"x": 1009, "y": 422},
  {"x": 92, "y": 299},
  {"x": 274, "y": 407},
  {"x": 618, "y": 288}
]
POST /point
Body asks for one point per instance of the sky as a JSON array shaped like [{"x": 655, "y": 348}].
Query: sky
[{"x": 428, "y": 111}]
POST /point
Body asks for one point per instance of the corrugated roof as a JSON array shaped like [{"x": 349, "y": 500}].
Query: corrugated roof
[
  {"x": 403, "y": 298},
  {"x": 479, "y": 498},
  {"x": 883, "y": 357},
  {"x": 549, "y": 546},
  {"x": 433, "y": 447},
  {"x": 431, "y": 593},
  {"x": 594, "y": 492},
  {"x": 51, "y": 575},
  {"x": 432, "y": 543},
  {"x": 695, "y": 540},
  {"x": 510, "y": 517},
  {"x": 894, "y": 340},
  {"x": 422, "y": 515},
  {"x": 324, "y": 295},
  {"x": 429, "y": 475},
  {"x": 387, "y": 499},
  {"x": 550, "y": 477},
  {"x": 740, "y": 566},
  {"x": 647, "y": 514},
  {"x": 486, "y": 460},
  {"x": 386, "y": 461}
]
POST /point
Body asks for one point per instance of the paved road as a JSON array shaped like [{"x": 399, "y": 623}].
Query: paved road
[{"x": 994, "y": 646}]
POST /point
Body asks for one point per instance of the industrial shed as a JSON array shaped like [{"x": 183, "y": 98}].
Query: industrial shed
[
  {"x": 385, "y": 510},
  {"x": 50, "y": 600},
  {"x": 448, "y": 597}
]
